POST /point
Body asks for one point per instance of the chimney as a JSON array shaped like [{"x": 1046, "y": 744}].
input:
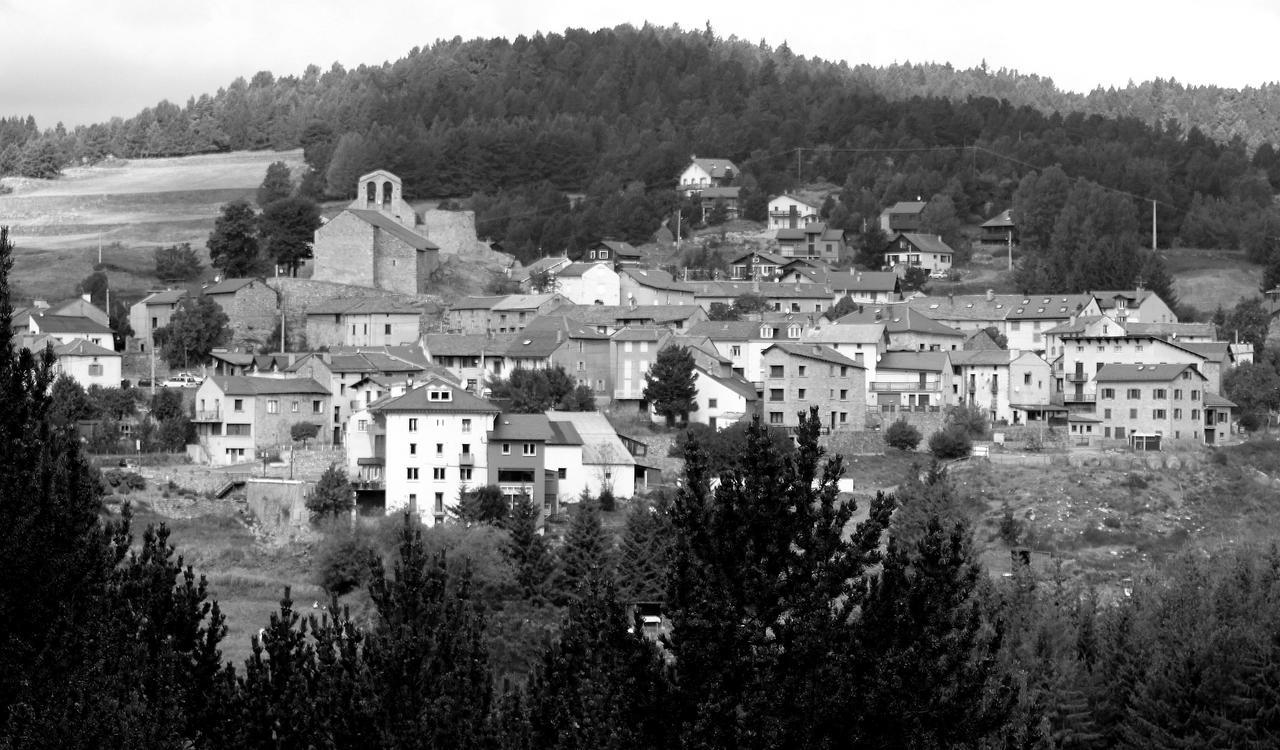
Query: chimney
[
  {"x": 86, "y": 298},
  {"x": 991, "y": 295},
  {"x": 559, "y": 337}
]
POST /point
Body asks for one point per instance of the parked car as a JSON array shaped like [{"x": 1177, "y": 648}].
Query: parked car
[{"x": 183, "y": 380}]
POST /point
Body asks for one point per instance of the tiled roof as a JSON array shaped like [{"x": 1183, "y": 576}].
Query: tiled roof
[
  {"x": 1107, "y": 297},
  {"x": 69, "y": 324},
  {"x": 393, "y": 228},
  {"x": 735, "y": 383},
  {"x": 248, "y": 385},
  {"x": 166, "y": 297},
  {"x": 1003, "y": 220},
  {"x": 621, "y": 249},
  {"x": 82, "y": 348},
  {"x": 655, "y": 279},
  {"x": 465, "y": 344},
  {"x": 810, "y": 202},
  {"x": 863, "y": 281},
  {"x": 767, "y": 289},
  {"x": 846, "y": 333},
  {"x": 523, "y": 301},
  {"x": 1216, "y": 351},
  {"x": 1142, "y": 373},
  {"x": 419, "y": 399},
  {"x": 768, "y": 257},
  {"x": 564, "y": 433},
  {"x": 1045, "y": 307},
  {"x": 899, "y": 318},
  {"x": 926, "y": 243},
  {"x": 228, "y": 286},
  {"x": 923, "y": 361},
  {"x": 640, "y": 333},
  {"x": 576, "y": 270},
  {"x": 1172, "y": 330},
  {"x": 475, "y": 303},
  {"x": 600, "y": 442},
  {"x": 815, "y": 351},
  {"x": 716, "y": 167},
  {"x": 727, "y": 330},
  {"x": 571, "y": 328},
  {"x": 522, "y": 427},
  {"x": 534, "y": 345},
  {"x": 363, "y": 306},
  {"x": 714, "y": 192},
  {"x": 1214, "y": 400},
  {"x": 980, "y": 357},
  {"x": 906, "y": 207},
  {"x": 967, "y": 306}
]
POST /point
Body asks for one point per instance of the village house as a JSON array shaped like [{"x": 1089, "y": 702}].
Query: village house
[
  {"x": 743, "y": 342},
  {"x": 792, "y": 212},
  {"x": 583, "y": 353},
  {"x": 785, "y": 298},
  {"x": 533, "y": 350},
  {"x": 80, "y": 307},
  {"x": 913, "y": 250},
  {"x": 618, "y": 252},
  {"x": 990, "y": 381},
  {"x": 726, "y": 197},
  {"x": 339, "y": 371},
  {"x": 815, "y": 241},
  {"x": 913, "y": 382},
  {"x": 903, "y": 216},
  {"x": 605, "y": 460},
  {"x": 252, "y": 307},
  {"x": 610, "y": 318},
  {"x": 588, "y": 283},
  {"x": 968, "y": 313},
  {"x": 801, "y": 376},
  {"x": 67, "y": 329},
  {"x": 907, "y": 328},
  {"x": 362, "y": 321},
  {"x": 705, "y": 173},
  {"x": 859, "y": 286},
  {"x": 632, "y": 352},
  {"x": 864, "y": 343},
  {"x": 236, "y": 417},
  {"x": 153, "y": 312},
  {"x": 647, "y": 286},
  {"x": 375, "y": 241},
  {"x": 512, "y": 313},
  {"x": 517, "y": 457},
  {"x": 1027, "y": 321},
  {"x": 88, "y": 364},
  {"x": 998, "y": 231},
  {"x": 470, "y": 314},
  {"x": 1134, "y": 306},
  {"x": 1149, "y": 407},
  {"x": 1083, "y": 356},
  {"x": 472, "y": 357},
  {"x": 722, "y": 399},
  {"x": 755, "y": 264}
]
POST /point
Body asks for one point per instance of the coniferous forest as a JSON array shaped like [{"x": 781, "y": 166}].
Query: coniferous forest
[
  {"x": 790, "y": 626},
  {"x": 514, "y": 126}
]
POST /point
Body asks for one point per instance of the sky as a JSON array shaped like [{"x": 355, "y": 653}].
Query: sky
[{"x": 84, "y": 61}]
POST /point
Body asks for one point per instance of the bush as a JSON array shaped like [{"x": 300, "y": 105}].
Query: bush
[
  {"x": 950, "y": 442},
  {"x": 303, "y": 430},
  {"x": 342, "y": 561},
  {"x": 974, "y": 421},
  {"x": 123, "y": 481},
  {"x": 606, "y": 499},
  {"x": 902, "y": 435}
]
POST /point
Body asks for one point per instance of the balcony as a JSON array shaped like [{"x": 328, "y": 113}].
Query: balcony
[
  {"x": 880, "y": 386},
  {"x": 368, "y": 484},
  {"x": 202, "y": 415},
  {"x": 1079, "y": 398},
  {"x": 466, "y": 459},
  {"x": 1077, "y": 377}
]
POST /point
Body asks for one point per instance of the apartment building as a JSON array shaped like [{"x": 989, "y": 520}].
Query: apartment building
[
  {"x": 1151, "y": 406},
  {"x": 236, "y": 416},
  {"x": 801, "y": 376}
]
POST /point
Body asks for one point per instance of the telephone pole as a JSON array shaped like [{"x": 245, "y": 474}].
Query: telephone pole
[{"x": 1153, "y": 224}]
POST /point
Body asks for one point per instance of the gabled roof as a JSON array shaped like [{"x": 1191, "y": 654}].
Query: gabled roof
[
  {"x": 360, "y": 361},
  {"x": 846, "y": 333},
  {"x": 465, "y": 344},
  {"x": 577, "y": 270},
  {"x": 564, "y": 433},
  {"x": 1045, "y": 307},
  {"x": 523, "y": 301},
  {"x": 364, "y": 306},
  {"x": 640, "y": 333},
  {"x": 768, "y": 257},
  {"x": 734, "y": 382},
  {"x": 572, "y": 329},
  {"x": 655, "y": 279},
  {"x": 1107, "y": 297},
  {"x": 393, "y": 228},
  {"x": 68, "y": 324},
  {"x": 816, "y": 352},
  {"x": 810, "y": 202},
  {"x": 82, "y": 348},
  {"x": 967, "y": 306},
  {"x": 419, "y": 400},
  {"x": 926, "y": 243},
  {"x": 476, "y": 303},
  {"x": 898, "y": 317},
  {"x": 1142, "y": 373},
  {"x": 863, "y": 281},
  {"x": 248, "y": 385},
  {"x": 714, "y": 192},
  {"x": 548, "y": 264},
  {"x": 717, "y": 168},
  {"x": 727, "y": 330},
  {"x": 1172, "y": 330},
  {"x": 620, "y": 249},
  {"x": 228, "y": 286},
  {"x": 1079, "y": 325},
  {"x": 980, "y": 340},
  {"x": 914, "y": 361},
  {"x": 1214, "y": 351},
  {"x": 166, "y": 297},
  {"x": 980, "y": 357},
  {"x": 906, "y": 207},
  {"x": 522, "y": 427},
  {"x": 766, "y": 289},
  {"x": 600, "y": 442},
  {"x": 1213, "y": 400},
  {"x": 534, "y": 345},
  {"x": 1003, "y": 220}
]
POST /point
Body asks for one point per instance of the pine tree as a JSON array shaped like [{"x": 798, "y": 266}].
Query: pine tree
[
  {"x": 332, "y": 495},
  {"x": 669, "y": 384},
  {"x": 276, "y": 185},
  {"x": 644, "y": 553},
  {"x": 233, "y": 243},
  {"x": 528, "y": 551},
  {"x": 586, "y": 549}
]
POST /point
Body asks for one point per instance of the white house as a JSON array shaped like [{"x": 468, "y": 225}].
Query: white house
[
  {"x": 722, "y": 400},
  {"x": 89, "y": 364},
  {"x": 606, "y": 462},
  {"x": 68, "y": 329},
  {"x": 912, "y": 250},
  {"x": 564, "y": 457},
  {"x": 704, "y": 173},
  {"x": 791, "y": 212},
  {"x": 588, "y": 283}
]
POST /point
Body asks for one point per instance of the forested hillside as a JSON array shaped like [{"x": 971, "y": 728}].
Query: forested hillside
[{"x": 512, "y": 125}]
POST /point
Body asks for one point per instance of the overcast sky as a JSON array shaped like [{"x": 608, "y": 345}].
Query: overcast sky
[{"x": 81, "y": 61}]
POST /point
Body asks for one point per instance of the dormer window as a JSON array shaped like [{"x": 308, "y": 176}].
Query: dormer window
[
  {"x": 793, "y": 332},
  {"x": 439, "y": 395},
  {"x": 766, "y": 332}
]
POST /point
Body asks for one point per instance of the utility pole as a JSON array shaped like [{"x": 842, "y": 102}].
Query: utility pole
[
  {"x": 1153, "y": 224},
  {"x": 679, "y": 218},
  {"x": 283, "y": 337},
  {"x": 1009, "y": 237},
  {"x": 798, "y": 166}
]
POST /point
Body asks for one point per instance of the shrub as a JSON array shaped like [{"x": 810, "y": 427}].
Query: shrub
[
  {"x": 1009, "y": 527},
  {"x": 950, "y": 442},
  {"x": 342, "y": 561},
  {"x": 902, "y": 435},
  {"x": 303, "y": 430},
  {"x": 123, "y": 481},
  {"x": 1035, "y": 444},
  {"x": 973, "y": 420},
  {"x": 606, "y": 499}
]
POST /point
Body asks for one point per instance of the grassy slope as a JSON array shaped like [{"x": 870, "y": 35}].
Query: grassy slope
[{"x": 57, "y": 225}]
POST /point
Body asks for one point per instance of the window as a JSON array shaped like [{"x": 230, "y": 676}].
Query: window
[
  {"x": 411, "y": 473},
  {"x": 735, "y": 351},
  {"x": 1160, "y": 393},
  {"x": 386, "y": 329},
  {"x": 776, "y": 394},
  {"x": 95, "y": 369},
  {"x": 1108, "y": 392},
  {"x": 1133, "y": 414},
  {"x": 582, "y": 366},
  {"x": 562, "y": 473},
  {"x": 362, "y": 425},
  {"x": 413, "y": 449},
  {"x": 1195, "y": 395},
  {"x": 530, "y": 449},
  {"x": 317, "y": 406},
  {"x": 1195, "y": 414},
  {"x": 466, "y": 425},
  {"x": 464, "y": 474},
  {"x": 273, "y": 406},
  {"x": 844, "y": 417},
  {"x": 800, "y": 393},
  {"x": 439, "y": 502},
  {"x": 1159, "y": 414},
  {"x": 1106, "y": 414},
  {"x": 1177, "y": 414},
  {"x": 712, "y": 403},
  {"x": 437, "y": 473},
  {"x": 802, "y": 369},
  {"x": 1133, "y": 394},
  {"x": 238, "y": 404},
  {"x": 776, "y": 371},
  {"x": 294, "y": 407},
  {"x": 439, "y": 449},
  {"x": 506, "y": 449},
  {"x": 1177, "y": 394},
  {"x": 238, "y": 430},
  {"x": 1026, "y": 378},
  {"x": 775, "y": 417},
  {"x": 413, "y": 424}
]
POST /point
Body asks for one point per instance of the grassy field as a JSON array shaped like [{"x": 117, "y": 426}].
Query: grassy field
[
  {"x": 1206, "y": 279},
  {"x": 130, "y": 208}
]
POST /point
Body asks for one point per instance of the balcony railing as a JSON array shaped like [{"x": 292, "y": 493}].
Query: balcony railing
[
  {"x": 208, "y": 416},
  {"x": 466, "y": 459},
  {"x": 1077, "y": 377},
  {"x": 880, "y": 386},
  {"x": 369, "y": 484},
  {"x": 1079, "y": 398}
]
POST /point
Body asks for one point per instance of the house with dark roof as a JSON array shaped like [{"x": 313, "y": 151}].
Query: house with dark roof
[
  {"x": 80, "y": 307},
  {"x": 616, "y": 251},
  {"x": 66, "y": 329},
  {"x": 252, "y": 307},
  {"x": 1134, "y": 306},
  {"x": 914, "y": 250},
  {"x": 999, "y": 231},
  {"x": 1031, "y": 316},
  {"x": 792, "y": 211},
  {"x": 711, "y": 197},
  {"x": 632, "y": 351},
  {"x": 376, "y": 241},
  {"x": 704, "y": 173},
  {"x": 859, "y": 286},
  {"x": 798, "y": 377},
  {"x": 362, "y": 321},
  {"x": 1148, "y": 407},
  {"x": 517, "y": 458},
  {"x": 340, "y": 370},
  {"x": 908, "y": 329},
  {"x": 236, "y": 417},
  {"x": 151, "y": 313},
  {"x": 649, "y": 286},
  {"x": 913, "y": 382},
  {"x": 472, "y": 357},
  {"x": 513, "y": 312},
  {"x": 583, "y": 353},
  {"x": 755, "y": 264},
  {"x": 87, "y": 363},
  {"x": 815, "y": 241},
  {"x": 903, "y": 216},
  {"x": 743, "y": 342},
  {"x": 470, "y": 314}
]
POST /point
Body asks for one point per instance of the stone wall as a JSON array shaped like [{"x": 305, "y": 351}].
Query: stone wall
[
  {"x": 279, "y": 505},
  {"x": 300, "y": 294},
  {"x": 344, "y": 251},
  {"x": 453, "y": 231},
  {"x": 253, "y": 310}
]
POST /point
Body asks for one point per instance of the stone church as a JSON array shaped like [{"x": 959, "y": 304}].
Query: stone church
[{"x": 375, "y": 241}]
